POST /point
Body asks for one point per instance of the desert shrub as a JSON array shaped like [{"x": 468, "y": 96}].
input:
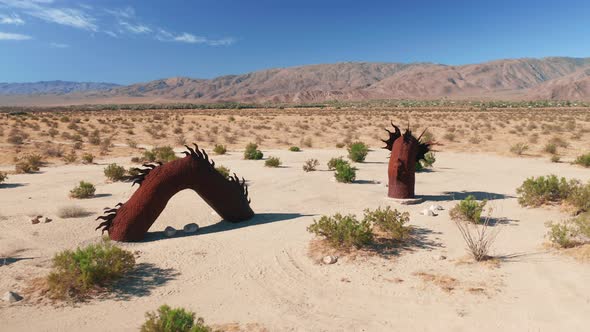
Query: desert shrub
[
  {"x": 519, "y": 148},
  {"x": 272, "y": 162},
  {"x": 340, "y": 145},
  {"x": 223, "y": 171},
  {"x": 358, "y": 151},
  {"x": 173, "y": 320},
  {"x": 583, "y": 160},
  {"x": 391, "y": 222},
  {"x": 311, "y": 165},
  {"x": 345, "y": 173},
  {"x": 429, "y": 159},
  {"x": 77, "y": 274},
  {"x": 16, "y": 137},
  {"x": 544, "y": 190},
  {"x": 131, "y": 143},
  {"x": 29, "y": 163},
  {"x": 294, "y": 149},
  {"x": 252, "y": 152},
  {"x": 343, "y": 231},
  {"x": 70, "y": 158},
  {"x": 562, "y": 234},
  {"x": 335, "y": 162},
  {"x": 579, "y": 196},
  {"x": 468, "y": 209},
  {"x": 555, "y": 158},
  {"x": 72, "y": 211},
  {"x": 83, "y": 190},
  {"x": 115, "y": 172},
  {"x": 449, "y": 137},
  {"x": 3, "y": 177},
  {"x": 162, "y": 154},
  {"x": 307, "y": 142},
  {"x": 550, "y": 148},
  {"x": 87, "y": 158},
  {"x": 219, "y": 149}
]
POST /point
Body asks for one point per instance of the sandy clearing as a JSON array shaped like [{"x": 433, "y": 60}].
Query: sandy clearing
[{"x": 260, "y": 272}]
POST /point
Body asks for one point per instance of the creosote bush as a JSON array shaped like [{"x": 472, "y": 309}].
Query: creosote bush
[
  {"x": 3, "y": 177},
  {"x": 358, "y": 151},
  {"x": 272, "y": 162},
  {"x": 29, "y": 164},
  {"x": 311, "y": 165},
  {"x": 87, "y": 158},
  {"x": 115, "y": 172},
  {"x": 173, "y": 320},
  {"x": 468, "y": 209},
  {"x": 72, "y": 211},
  {"x": 223, "y": 171},
  {"x": 583, "y": 160},
  {"x": 544, "y": 190},
  {"x": 343, "y": 231},
  {"x": 219, "y": 149},
  {"x": 162, "y": 154},
  {"x": 571, "y": 232},
  {"x": 294, "y": 149},
  {"x": 83, "y": 190},
  {"x": 252, "y": 152},
  {"x": 345, "y": 173},
  {"x": 334, "y": 162},
  {"x": 519, "y": 148},
  {"x": 347, "y": 231},
  {"x": 85, "y": 271}
]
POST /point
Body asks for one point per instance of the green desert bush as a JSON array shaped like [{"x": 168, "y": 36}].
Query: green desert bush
[
  {"x": 468, "y": 209},
  {"x": 429, "y": 160},
  {"x": 358, "y": 151},
  {"x": 345, "y": 173},
  {"x": 88, "y": 158},
  {"x": 555, "y": 158},
  {"x": 579, "y": 196},
  {"x": 3, "y": 177},
  {"x": 83, "y": 190},
  {"x": 70, "y": 158},
  {"x": 115, "y": 172},
  {"x": 162, "y": 154},
  {"x": 219, "y": 149},
  {"x": 519, "y": 148},
  {"x": 80, "y": 273},
  {"x": 391, "y": 222},
  {"x": 173, "y": 320},
  {"x": 223, "y": 171},
  {"x": 343, "y": 231},
  {"x": 544, "y": 190},
  {"x": 272, "y": 162},
  {"x": 550, "y": 148},
  {"x": 252, "y": 152},
  {"x": 583, "y": 160},
  {"x": 335, "y": 162},
  {"x": 294, "y": 149},
  {"x": 310, "y": 165},
  {"x": 571, "y": 232}
]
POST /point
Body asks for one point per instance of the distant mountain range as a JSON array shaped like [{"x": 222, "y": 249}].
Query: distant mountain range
[{"x": 555, "y": 78}]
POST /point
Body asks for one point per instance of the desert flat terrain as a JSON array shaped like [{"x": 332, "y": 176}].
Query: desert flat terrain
[{"x": 265, "y": 271}]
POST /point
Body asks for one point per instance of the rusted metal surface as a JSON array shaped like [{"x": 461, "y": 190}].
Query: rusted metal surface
[
  {"x": 130, "y": 221},
  {"x": 406, "y": 151}
]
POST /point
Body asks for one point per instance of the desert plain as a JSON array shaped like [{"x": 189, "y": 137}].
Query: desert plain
[{"x": 267, "y": 274}]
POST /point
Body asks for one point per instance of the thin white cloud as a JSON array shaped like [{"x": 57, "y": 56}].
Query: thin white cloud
[
  {"x": 12, "y": 19},
  {"x": 135, "y": 28},
  {"x": 192, "y": 39},
  {"x": 59, "y": 45},
  {"x": 40, "y": 9},
  {"x": 14, "y": 36}
]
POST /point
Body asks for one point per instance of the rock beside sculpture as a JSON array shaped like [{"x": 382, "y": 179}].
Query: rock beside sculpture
[
  {"x": 170, "y": 231},
  {"x": 191, "y": 228},
  {"x": 11, "y": 297}
]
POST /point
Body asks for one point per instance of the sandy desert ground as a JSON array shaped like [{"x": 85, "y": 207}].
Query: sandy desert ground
[{"x": 263, "y": 271}]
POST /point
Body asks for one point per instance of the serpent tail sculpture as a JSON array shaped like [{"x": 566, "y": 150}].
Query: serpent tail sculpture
[
  {"x": 130, "y": 221},
  {"x": 406, "y": 151}
]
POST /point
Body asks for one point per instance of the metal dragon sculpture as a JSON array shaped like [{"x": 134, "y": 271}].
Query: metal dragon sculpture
[
  {"x": 130, "y": 221},
  {"x": 406, "y": 151}
]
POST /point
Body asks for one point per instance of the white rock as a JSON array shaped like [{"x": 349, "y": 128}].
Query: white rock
[
  {"x": 436, "y": 208},
  {"x": 170, "y": 231},
  {"x": 428, "y": 212},
  {"x": 11, "y": 297},
  {"x": 330, "y": 259},
  {"x": 191, "y": 228}
]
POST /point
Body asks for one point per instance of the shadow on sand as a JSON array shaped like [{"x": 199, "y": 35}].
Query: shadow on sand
[
  {"x": 142, "y": 281},
  {"x": 222, "y": 226},
  {"x": 12, "y": 185},
  {"x": 419, "y": 240},
  {"x": 460, "y": 195}
]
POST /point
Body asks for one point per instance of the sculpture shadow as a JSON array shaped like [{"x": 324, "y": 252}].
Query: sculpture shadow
[
  {"x": 460, "y": 195},
  {"x": 418, "y": 240},
  {"x": 496, "y": 221},
  {"x": 223, "y": 226},
  {"x": 366, "y": 182},
  {"x": 13, "y": 185},
  {"x": 4, "y": 261},
  {"x": 142, "y": 281},
  {"x": 102, "y": 195}
]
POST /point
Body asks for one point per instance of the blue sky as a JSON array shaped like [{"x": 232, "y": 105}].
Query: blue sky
[{"x": 128, "y": 41}]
